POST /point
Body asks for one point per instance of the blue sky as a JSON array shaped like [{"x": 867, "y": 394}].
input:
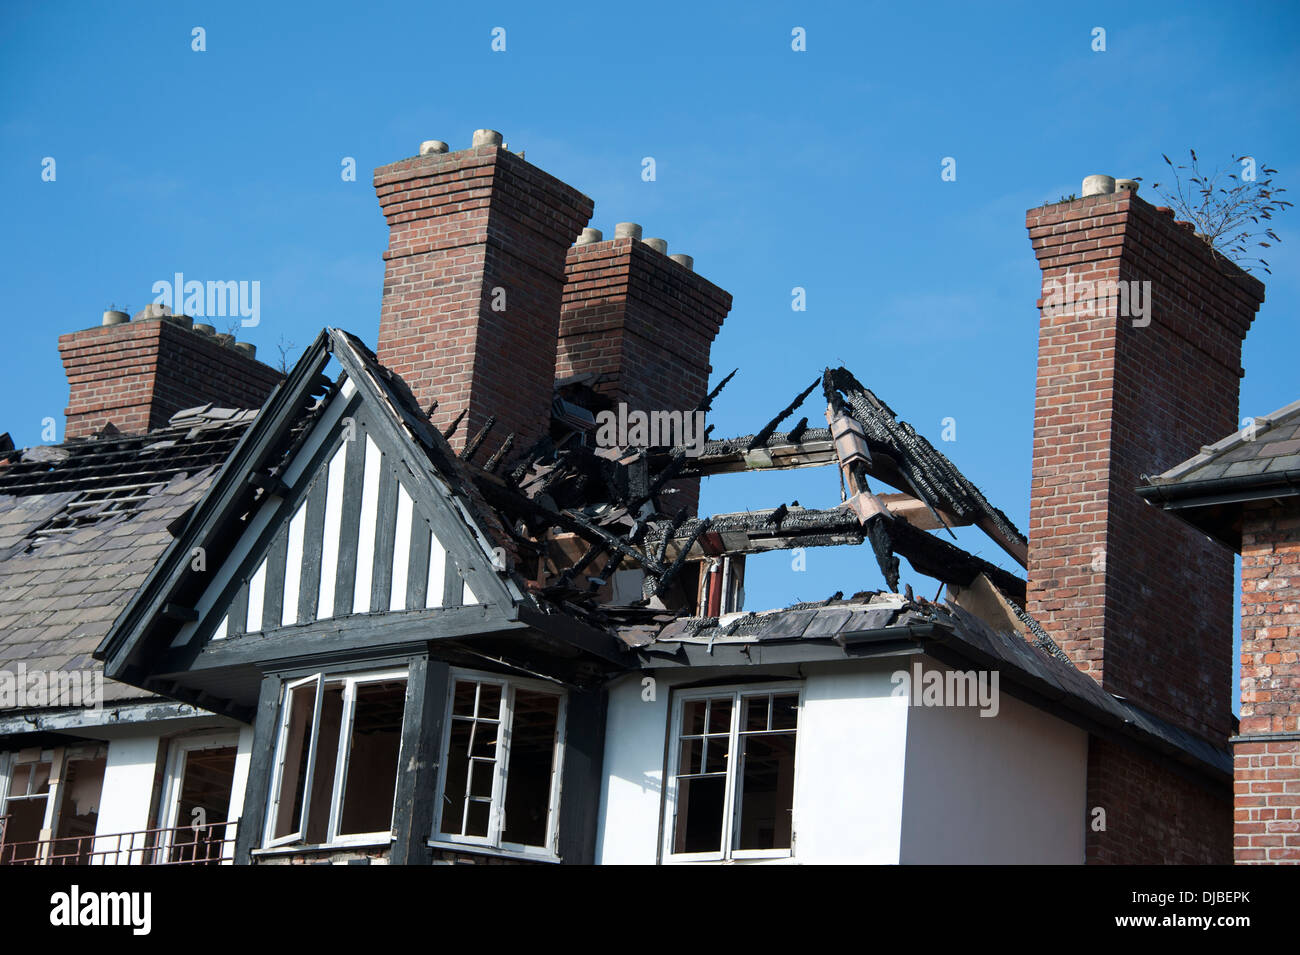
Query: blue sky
[{"x": 775, "y": 169}]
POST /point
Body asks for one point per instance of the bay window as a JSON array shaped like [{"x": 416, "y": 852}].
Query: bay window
[
  {"x": 499, "y": 777},
  {"x": 336, "y": 760}
]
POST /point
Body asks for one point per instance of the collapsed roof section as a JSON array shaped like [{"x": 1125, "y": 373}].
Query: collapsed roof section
[{"x": 579, "y": 512}]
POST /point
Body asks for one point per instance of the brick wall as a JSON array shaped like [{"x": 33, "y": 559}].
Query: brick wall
[
  {"x": 135, "y": 376},
  {"x": 1155, "y": 815},
  {"x": 462, "y": 225},
  {"x": 1139, "y": 601},
  {"x": 1267, "y": 769},
  {"x": 643, "y": 323}
]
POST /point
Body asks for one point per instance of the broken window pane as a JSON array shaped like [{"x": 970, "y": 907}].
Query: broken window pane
[
  {"x": 507, "y": 733},
  {"x": 358, "y": 736},
  {"x": 699, "y": 813},
  {"x": 207, "y": 776},
  {"x": 29, "y": 788},
  {"x": 297, "y": 745},
  {"x": 529, "y": 772},
  {"x": 372, "y": 761},
  {"x": 765, "y": 791}
]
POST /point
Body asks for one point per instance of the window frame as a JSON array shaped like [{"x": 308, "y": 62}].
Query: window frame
[
  {"x": 493, "y": 842},
  {"x": 731, "y": 797},
  {"x": 343, "y": 755},
  {"x": 178, "y": 749}
]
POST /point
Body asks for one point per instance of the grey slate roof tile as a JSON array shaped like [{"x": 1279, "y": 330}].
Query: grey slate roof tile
[
  {"x": 60, "y": 594},
  {"x": 1274, "y": 448}
]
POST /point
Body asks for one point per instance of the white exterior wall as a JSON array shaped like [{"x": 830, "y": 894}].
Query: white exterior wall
[
  {"x": 1010, "y": 788},
  {"x": 876, "y": 781},
  {"x": 128, "y": 790}
]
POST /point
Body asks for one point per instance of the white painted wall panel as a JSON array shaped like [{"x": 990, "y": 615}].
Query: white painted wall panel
[
  {"x": 293, "y": 566},
  {"x": 368, "y": 529},
  {"x": 1011, "y": 788},
  {"x": 401, "y": 550},
  {"x": 329, "y": 558},
  {"x": 128, "y": 790}
]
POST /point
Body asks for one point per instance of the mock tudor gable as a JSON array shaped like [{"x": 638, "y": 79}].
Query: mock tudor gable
[{"x": 350, "y": 520}]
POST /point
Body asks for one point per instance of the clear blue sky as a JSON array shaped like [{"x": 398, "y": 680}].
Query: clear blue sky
[{"x": 775, "y": 169}]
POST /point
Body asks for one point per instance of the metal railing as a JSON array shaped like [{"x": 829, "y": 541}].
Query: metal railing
[{"x": 211, "y": 845}]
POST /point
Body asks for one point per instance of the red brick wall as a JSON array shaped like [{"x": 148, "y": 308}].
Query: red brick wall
[
  {"x": 1138, "y": 600},
  {"x": 1154, "y": 814},
  {"x": 646, "y": 325},
  {"x": 460, "y": 225},
  {"x": 138, "y": 374},
  {"x": 1267, "y": 770}
]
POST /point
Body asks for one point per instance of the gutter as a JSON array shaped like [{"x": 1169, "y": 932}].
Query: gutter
[{"x": 1225, "y": 490}]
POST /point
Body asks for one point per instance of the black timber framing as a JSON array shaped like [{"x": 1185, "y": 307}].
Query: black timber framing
[
  {"x": 211, "y": 519},
  {"x": 256, "y": 792},
  {"x": 416, "y": 798},
  {"x": 581, "y": 774}
]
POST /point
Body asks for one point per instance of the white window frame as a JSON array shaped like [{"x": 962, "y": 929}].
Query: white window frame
[
  {"x": 738, "y": 694},
  {"x": 496, "y": 818},
  {"x": 350, "y": 682},
  {"x": 178, "y": 749}
]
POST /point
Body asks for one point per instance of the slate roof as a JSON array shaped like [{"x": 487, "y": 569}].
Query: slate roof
[
  {"x": 81, "y": 525},
  {"x": 1272, "y": 450}
]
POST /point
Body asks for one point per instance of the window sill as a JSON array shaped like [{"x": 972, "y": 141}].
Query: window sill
[
  {"x": 472, "y": 848},
  {"x": 298, "y": 848}
]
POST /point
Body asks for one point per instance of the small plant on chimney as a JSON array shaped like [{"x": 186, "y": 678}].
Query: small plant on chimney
[{"x": 1230, "y": 212}]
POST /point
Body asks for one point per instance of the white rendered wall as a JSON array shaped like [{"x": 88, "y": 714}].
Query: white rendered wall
[
  {"x": 876, "y": 781},
  {"x": 1011, "y": 788},
  {"x": 848, "y": 770}
]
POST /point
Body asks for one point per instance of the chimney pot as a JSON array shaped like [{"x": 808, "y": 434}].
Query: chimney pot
[
  {"x": 487, "y": 137},
  {"x": 432, "y": 147},
  {"x": 248, "y": 348},
  {"x": 1129, "y": 185},
  {"x": 152, "y": 310},
  {"x": 114, "y": 317},
  {"x": 1098, "y": 185},
  {"x": 627, "y": 230},
  {"x": 659, "y": 245},
  {"x": 589, "y": 236},
  {"x": 225, "y": 340},
  {"x": 204, "y": 329},
  {"x": 684, "y": 260}
]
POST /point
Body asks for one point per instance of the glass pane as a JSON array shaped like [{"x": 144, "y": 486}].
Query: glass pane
[
  {"x": 715, "y": 753},
  {"x": 755, "y": 717},
  {"x": 693, "y": 717},
  {"x": 297, "y": 742},
  {"x": 785, "y": 711},
  {"x": 327, "y": 757},
  {"x": 534, "y": 721},
  {"x": 453, "y": 793},
  {"x": 479, "y": 813},
  {"x": 692, "y": 759},
  {"x": 485, "y": 740},
  {"x": 207, "y": 776},
  {"x": 480, "y": 777},
  {"x": 372, "y": 757},
  {"x": 463, "y": 699},
  {"x": 699, "y": 814},
  {"x": 765, "y": 791},
  {"x": 489, "y": 701},
  {"x": 720, "y": 715}
]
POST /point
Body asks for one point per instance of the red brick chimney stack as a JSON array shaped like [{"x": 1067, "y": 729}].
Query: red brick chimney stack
[
  {"x": 473, "y": 283},
  {"x": 135, "y": 375},
  {"x": 1139, "y": 365},
  {"x": 643, "y": 322}
]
